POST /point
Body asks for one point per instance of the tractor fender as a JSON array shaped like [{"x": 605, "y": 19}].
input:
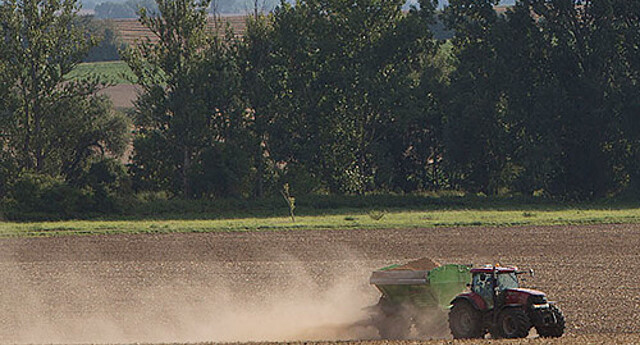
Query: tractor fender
[
  {"x": 472, "y": 298},
  {"x": 512, "y": 306}
]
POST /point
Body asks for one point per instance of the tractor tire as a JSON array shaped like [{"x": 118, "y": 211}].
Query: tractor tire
[
  {"x": 556, "y": 329},
  {"x": 512, "y": 323},
  {"x": 465, "y": 322}
]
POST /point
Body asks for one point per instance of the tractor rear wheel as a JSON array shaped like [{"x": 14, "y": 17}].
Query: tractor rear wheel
[
  {"x": 465, "y": 321},
  {"x": 553, "y": 330},
  {"x": 512, "y": 323}
]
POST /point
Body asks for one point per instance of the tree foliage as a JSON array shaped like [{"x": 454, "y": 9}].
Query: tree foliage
[
  {"x": 51, "y": 125},
  {"x": 538, "y": 96},
  {"x": 188, "y": 116},
  {"x": 352, "y": 97},
  {"x": 52, "y": 129},
  {"x": 334, "y": 78},
  {"x": 331, "y": 96}
]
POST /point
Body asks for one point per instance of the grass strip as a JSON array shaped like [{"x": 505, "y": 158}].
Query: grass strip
[
  {"x": 396, "y": 219},
  {"x": 116, "y": 72}
]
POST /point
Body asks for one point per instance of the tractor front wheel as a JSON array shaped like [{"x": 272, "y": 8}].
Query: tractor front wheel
[
  {"x": 555, "y": 329},
  {"x": 512, "y": 323},
  {"x": 465, "y": 321}
]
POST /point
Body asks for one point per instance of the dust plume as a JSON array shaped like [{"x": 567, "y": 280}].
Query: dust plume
[{"x": 120, "y": 302}]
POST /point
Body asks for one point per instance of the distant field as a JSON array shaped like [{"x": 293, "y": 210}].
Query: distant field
[
  {"x": 112, "y": 71},
  {"x": 361, "y": 219},
  {"x": 130, "y": 30}
]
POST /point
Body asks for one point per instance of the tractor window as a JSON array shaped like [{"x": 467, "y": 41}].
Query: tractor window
[
  {"x": 483, "y": 286},
  {"x": 507, "y": 281}
]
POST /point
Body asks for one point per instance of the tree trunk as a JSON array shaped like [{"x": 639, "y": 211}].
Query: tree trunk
[
  {"x": 186, "y": 166},
  {"x": 27, "y": 139},
  {"x": 38, "y": 147},
  {"x": 37, "y": 129},
  {"x": 259, "y": 192}
]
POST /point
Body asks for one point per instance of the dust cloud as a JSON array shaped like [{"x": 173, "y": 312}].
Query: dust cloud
[{"x": 150, "y": 302}]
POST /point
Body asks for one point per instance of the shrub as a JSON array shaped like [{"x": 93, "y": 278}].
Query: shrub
[
  {"x": 38, "y": 196},
  {"x": 108, "y": 180}
]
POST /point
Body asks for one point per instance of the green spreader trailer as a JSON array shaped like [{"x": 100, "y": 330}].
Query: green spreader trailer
[{"x": 416, "y": 297}]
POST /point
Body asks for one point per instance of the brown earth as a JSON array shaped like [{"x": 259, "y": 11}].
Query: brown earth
[
  {"x": 130, "y": 31},
  {"x": 422, "y": 264},
  {"x": 122, "y": 95},
  {"x": 294, "y": 286}
]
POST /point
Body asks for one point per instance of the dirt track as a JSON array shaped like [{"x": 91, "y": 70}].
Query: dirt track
[{"x": 292, "y": 285}]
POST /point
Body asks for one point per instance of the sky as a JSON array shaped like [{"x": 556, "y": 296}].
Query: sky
[{"x": 90, "y": 4}]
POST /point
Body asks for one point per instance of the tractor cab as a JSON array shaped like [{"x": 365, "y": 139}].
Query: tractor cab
[{"x": 492, "y": 281}]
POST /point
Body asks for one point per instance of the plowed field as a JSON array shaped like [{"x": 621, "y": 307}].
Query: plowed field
[
  {"x": 130, "y": 31},
  {"x": 294, "y": 285}
]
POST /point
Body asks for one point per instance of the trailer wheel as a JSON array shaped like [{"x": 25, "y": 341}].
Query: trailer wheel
[
  {"x": 512, "y": 323},
  {"x": 391, "y": 320},
  {"x": 431, "y": 323},
  {"x": 553, "y": 330},
  {"x": 393, "y": 327},
  {"x": 465, "y": 321}
]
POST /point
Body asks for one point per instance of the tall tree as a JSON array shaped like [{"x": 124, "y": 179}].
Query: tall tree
[
  {"x": 541, "y": 97},
  {"x": 410, "y": 150},
  {"x": 188, "y": 101},
  {"x": 346, "y": 70},
  {"x": 475, "y": 132},
  {"x": 51, "y": 124},
  {"x": 261, "y": 75}
]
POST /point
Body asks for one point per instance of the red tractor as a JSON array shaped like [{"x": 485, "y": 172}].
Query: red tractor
[{"x": 496, "y": 304}]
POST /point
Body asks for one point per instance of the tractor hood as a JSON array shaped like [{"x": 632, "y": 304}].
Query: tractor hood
[
  {"x": 523, "y": 296},
  {"x": 529, "y": 292}
]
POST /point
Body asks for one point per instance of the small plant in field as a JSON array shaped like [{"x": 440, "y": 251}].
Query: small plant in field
[
  {"x": 291, "y": 201},
  {"x": 376, "y": 214}
]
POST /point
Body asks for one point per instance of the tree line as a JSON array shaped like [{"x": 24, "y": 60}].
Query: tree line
[
  {"x": 330, "y": 96},
  {"x": 129, "y": 8}
]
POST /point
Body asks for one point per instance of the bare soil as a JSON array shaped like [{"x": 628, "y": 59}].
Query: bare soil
[
  {"x": 130, "y": 31},
  {"x": 294, "y": 286},
  {"x": 122, "y": 95}
]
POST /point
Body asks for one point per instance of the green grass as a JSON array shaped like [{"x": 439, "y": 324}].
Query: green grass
[
  {"x": 358, "y": 219},
  {"x": 112, "y": 71}
]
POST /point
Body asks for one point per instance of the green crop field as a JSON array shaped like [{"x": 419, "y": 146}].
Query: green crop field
[
  {"x": 355, "y": 219},
  {"x": 116, "y": 72}
]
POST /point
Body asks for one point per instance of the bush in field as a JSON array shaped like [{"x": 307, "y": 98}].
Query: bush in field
[
  {"x": 100, "y": 189},
  {"x": 222, "y": 172},
  {"x": 109, "y": 182},
  {"x": 37, "y": 195},
  {"x": 7, "y": 173}
]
